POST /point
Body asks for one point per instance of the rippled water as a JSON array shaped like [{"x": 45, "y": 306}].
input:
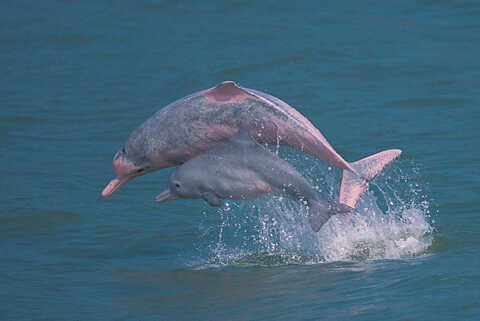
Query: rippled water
[{"x": 77, "y": 77}]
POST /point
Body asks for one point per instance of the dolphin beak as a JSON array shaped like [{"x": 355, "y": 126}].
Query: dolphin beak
[
  {"x": 114, "y": 185},
  {"x": 165, "y": 196}
]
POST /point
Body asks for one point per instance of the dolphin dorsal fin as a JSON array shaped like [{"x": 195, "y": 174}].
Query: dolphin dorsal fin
[
  {"x": 243, "y": 137},
  {"x": 226, "y": 92}
]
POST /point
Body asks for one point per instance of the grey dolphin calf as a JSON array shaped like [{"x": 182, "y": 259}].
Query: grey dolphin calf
[
  {"x": 194, "y": 124},
  {"x": 242, "y": 169}
]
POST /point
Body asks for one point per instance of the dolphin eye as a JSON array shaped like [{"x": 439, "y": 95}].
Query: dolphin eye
[
  {"x": 177, "y": 185},
  {"x": 140, "y": 170}
]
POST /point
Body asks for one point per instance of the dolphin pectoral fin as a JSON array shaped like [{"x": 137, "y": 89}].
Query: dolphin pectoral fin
[
  {"x": 354, "y": 185},
  {"x": 212, "y": 199}
]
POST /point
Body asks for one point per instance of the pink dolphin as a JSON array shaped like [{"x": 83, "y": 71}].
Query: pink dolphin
[{"x": 197, "y": 123}]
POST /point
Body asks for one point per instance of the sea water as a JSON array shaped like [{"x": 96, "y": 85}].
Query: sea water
[{"x": 78, "y": 76}]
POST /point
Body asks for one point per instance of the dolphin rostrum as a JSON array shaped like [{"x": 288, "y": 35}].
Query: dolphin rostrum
[
  {"x": 194, "y": 124},
  {"x": 243, "y": 169}
]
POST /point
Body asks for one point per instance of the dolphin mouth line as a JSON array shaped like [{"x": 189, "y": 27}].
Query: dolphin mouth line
[{"x": 115, "y": 184}]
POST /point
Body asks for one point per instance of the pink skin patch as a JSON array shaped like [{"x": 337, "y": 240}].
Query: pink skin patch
[
  {"x": 226, "y": 92},
  {"x": 351, "y": 189},
  {"x": 353, "y": 185},
  {"x": 215, "y": 131},
  {"x": 115, "y": 184},
  {"x": 125, "y": 171}
]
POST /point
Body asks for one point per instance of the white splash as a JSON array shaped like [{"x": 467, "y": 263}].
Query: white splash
[
  {"x": 372, "y": 234},
  {"x": 273, "y": 230}
]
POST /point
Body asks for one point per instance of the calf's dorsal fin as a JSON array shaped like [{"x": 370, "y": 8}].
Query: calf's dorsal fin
[{"x": 243, "y": 137}]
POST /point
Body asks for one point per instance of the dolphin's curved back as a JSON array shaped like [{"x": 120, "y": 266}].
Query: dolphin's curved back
[{"x": 199, "y": 122}]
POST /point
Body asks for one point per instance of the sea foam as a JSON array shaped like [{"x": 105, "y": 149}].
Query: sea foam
[{"x": 391, "y": 221}]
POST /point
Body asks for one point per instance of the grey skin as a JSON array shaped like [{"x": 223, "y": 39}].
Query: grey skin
[
  {"x": 197, "y": 123},
  {"x": 242, "y": 169},
  {"x": 194, "y": 124}
]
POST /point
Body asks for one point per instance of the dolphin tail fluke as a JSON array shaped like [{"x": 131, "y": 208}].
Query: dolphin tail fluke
[
  {"x": 320, "y": 212},
  {"x": 354, "y": 185}
]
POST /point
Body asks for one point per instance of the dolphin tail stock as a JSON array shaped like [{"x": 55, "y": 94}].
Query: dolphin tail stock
[
  {"x": 354, "y": 185},
  {"x": 320, "y": 212}
]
